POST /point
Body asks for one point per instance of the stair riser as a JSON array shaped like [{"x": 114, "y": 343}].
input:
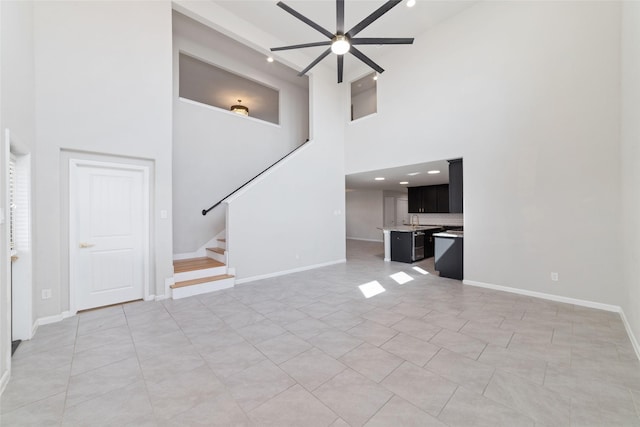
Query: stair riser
[
  {"x": 217, "y": 256},
  {"x": 222, "y": 245},
  {"x": 197, "y": 274},
  {"x": 202, "y": 288}
]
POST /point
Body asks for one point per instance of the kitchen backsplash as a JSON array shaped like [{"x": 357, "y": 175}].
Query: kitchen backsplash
[{"x": 439, "y": 219}]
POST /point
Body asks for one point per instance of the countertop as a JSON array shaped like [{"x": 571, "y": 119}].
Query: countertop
[
  {"x": 450, "y": 234},
  {"x": 409, "y": 228}
]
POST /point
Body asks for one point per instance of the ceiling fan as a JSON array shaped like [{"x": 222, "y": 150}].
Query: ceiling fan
[{"x": 342, "y": 42}]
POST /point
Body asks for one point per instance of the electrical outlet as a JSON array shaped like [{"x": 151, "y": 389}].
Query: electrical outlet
[
  {"x": 46, "y": 293},
  {"x": 554, "y": 276}
]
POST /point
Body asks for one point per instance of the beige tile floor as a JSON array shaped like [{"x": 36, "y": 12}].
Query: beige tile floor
[{"x": 308, "y": 349}]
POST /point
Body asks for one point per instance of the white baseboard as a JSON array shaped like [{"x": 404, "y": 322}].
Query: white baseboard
[
  {"x": 50, "y": 319},
  {"x": 197, "y": 254},
  {"x": 574, "y": 301},
  {"x": 5, "y": 380},
  {"x": 34, "y": 328},
  {"x": 365, "y": 240},
  {"x": 632, "y": 337},
  {"x": 53, "y": 319},
  {"x": 202, "y": 250},
  {"x": 293, "y": 270},
  {"x": 550, "y": 297}
]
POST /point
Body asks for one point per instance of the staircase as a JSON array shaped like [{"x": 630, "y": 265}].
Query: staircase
[{"x": 195, "y": 276}]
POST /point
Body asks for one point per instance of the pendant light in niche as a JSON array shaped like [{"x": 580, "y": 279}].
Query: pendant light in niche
[{"x": 240, "y": 109}]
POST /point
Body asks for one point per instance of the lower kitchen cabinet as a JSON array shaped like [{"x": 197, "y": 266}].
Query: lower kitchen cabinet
[
  {"x": 449, "y": 256},
  {"x": 429, "y": 242}
]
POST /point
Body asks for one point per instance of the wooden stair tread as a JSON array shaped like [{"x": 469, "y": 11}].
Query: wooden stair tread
[
  {"x": 217, "y": 250},
  {"x": 191, "y": 264},
  {"x": 221, "y": 240},
  {"x": 201, "y": 280}
]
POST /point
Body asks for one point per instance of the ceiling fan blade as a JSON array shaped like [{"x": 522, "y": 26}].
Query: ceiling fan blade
[
  {"x": 364, "y": 58},
  {"x": 384, "y": 40},
  {"x": 313, "y": 64},
  {"x": 304, "y": 19},
  {"x": 298, "y": 46},
  {"x": 340, "y": 67},
  {"x": 340, "y": 16},
  {"x": 375, "y": 15}
]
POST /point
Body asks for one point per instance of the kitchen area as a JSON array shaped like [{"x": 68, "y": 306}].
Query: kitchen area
[{"x": 422, "y": 224}]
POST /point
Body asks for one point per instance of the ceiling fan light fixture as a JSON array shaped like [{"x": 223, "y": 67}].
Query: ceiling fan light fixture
[
  {"x": 240, "y": 109},
  {"x": 340, "y": 44}
]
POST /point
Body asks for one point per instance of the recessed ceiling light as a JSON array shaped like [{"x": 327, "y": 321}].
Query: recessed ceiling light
[
  {"x": 375, "y": 76},
  {"x": 404, "y": 182},
  {"x": 433, "y": 172},
  {"x": 411, "y": 3},
  {"x": 379, "y": 178},
  {"x": 269, "y": 59},
  {"x": 413, "y": 173}
]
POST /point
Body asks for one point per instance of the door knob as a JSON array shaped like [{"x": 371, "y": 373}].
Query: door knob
[{"x": 86, "y": 245}]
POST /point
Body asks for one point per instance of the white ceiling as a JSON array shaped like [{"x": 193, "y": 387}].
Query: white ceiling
[
  {"x": 213, "y": 85},
  {"x": 190, "y": 29},
  {"x": 400, "y": 21},
  {"x": 393, "y": 177}
]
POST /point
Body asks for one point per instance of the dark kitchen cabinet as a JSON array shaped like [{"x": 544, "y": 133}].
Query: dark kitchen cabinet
[
  {"x": 449, "y": 259},
  {"x": 429, "y": 242},
  {"x": 429, "y": 199},
  {"x": 401, "y": 246},
  {"x": 415, "y": 199},
  {"x": 442, "y": 198},
  {"x": 455, "y": 186}
]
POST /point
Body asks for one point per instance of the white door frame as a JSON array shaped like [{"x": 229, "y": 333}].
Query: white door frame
[{"x": 74, "y": 164}]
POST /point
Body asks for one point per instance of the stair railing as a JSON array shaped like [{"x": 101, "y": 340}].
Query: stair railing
[{"x": 206, "y": 211}]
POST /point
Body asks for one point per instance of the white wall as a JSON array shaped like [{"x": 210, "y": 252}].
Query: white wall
[
  {"x": 293, "y": 217},
  {"x": 364, "y": 103},
  {"x": 216, "y": 151},
  {"x": 364, "y": 213},
  {"x": 528, "y": 93},
  {"x": 301, "y": 205},
  {"x": 103, "y": 85},
  {"x": 16, "y": 114},
  {"x": 630, "y": 157}
]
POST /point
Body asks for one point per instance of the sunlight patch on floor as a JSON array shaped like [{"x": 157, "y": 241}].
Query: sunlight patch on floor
[
  {"x": 401, "y": 277},
  {"x": 371, "y": 289},
  {"x": 420, "y": 270}
]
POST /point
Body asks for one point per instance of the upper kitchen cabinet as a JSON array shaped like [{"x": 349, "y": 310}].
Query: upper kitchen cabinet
[
  {"x": 429, "y": 199},
  {"x": 455, "y": 186},
  {"x": 415, "y": 199}
]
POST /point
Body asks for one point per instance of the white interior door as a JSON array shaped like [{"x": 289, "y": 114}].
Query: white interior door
[
  {"x": 109, "y": 223},
  {"x": 402, "y": 211},
  {"x": 389, "y": 211}
]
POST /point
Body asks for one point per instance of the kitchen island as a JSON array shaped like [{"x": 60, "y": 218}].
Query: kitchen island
[
  {"x": 428, "y": 231},
  {"x": 449, "y": 250}
]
